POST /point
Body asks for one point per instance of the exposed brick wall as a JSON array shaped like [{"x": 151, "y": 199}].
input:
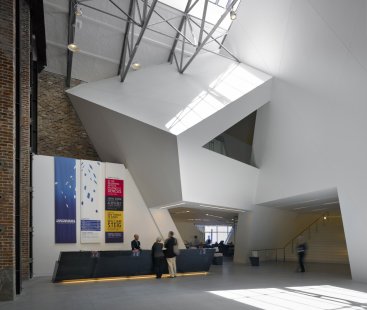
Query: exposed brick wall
[
  {"x": 60, "y": 131},
  {"x": 7, "y": 145},
  {"x": 25, "y": 138}
]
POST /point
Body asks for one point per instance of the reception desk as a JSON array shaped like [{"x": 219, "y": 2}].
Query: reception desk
[{"x": 101, "y": 264}]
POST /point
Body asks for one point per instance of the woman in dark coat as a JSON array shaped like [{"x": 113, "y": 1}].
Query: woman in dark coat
[{"x": 158, "y": 257}]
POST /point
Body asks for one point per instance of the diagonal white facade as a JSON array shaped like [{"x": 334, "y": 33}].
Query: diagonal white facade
[{"x": 157, "y": 122}]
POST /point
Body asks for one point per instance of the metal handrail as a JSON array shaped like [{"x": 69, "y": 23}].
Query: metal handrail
[{"x": 291, "y": 241}]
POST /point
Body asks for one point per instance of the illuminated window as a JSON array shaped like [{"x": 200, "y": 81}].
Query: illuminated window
[{"x": 216, "y": 233}]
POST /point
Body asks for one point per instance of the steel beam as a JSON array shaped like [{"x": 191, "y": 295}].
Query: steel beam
[
  {"x": 216, "y": 40},
  {"x": 209, "y": 35},
  {"x": 71, "y": 36},
  {"x": 104, "y": 12},
  {"x": 187, "y": 9},
  {"x": 143, "y": 28},
  {"x": 125, "y": 41},
  {"x": 203, "y": 21},
  {"x": 127, "y": 15},
  {"x": 183, "y": 43}
]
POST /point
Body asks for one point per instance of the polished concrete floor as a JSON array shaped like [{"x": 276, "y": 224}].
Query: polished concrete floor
[{"x": 269, "y": 286}]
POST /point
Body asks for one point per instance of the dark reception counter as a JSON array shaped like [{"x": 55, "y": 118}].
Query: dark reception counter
[{"x": 101, "y": 264}]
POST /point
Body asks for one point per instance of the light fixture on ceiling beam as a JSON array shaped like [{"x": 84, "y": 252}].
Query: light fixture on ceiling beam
[
  {"x": 233, "y": 15},
  {"x": 73, "y": 47},
  {"x": 226, "y": 209},
  {"x": 136, "y": 66},
  {"x": 172, "y": 205},
  {"x": 77, "y": 10}
]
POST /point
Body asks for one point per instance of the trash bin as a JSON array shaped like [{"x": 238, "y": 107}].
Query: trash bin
[
  {"x": 254, "y": 261},
  {"x": 218, "y": 260}
]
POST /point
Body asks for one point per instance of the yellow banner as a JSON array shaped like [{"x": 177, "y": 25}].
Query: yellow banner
[{"x": 114, "y": 221}]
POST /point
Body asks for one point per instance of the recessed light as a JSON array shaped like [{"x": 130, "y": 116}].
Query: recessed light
[
  {"x": 187, "y": 211},
  {"x": 173, "y": 205},
  {"x": 77, "y": 10},
  {"x": 73, "y": 47},
  {"x": 299, "y": 208},
  {"x": 136, "y": 66},
  {"x": 233, "y": 15}
]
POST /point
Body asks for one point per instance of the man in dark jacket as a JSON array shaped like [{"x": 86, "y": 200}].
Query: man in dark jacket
[{"x": 170, "y": 244}]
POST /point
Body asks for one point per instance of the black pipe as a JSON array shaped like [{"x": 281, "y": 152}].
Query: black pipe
[
  {"x": 18, "y": 249},
  {"x": 33, "y": 145}
]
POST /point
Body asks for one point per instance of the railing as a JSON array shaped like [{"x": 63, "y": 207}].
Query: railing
[{"x": 275, "y": 251}]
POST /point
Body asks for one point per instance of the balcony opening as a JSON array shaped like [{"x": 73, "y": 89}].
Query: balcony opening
[{"x": 236, "y": 142}]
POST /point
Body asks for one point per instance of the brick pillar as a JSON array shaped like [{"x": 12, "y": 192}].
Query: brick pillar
[{"x": 7, "y": 146}]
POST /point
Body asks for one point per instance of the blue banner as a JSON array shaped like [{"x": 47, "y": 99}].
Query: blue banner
[{"x": 65, "y": 200}]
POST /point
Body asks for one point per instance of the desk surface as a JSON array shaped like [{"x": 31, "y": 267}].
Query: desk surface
[{"x": 86, "y": 264}]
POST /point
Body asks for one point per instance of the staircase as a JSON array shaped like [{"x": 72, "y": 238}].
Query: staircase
[{"x": 325, "y": 240}]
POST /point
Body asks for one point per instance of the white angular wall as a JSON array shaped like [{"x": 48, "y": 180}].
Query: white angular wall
[
  {"x": 312, "y": 135},
  {"x": 157, "y": 121}
]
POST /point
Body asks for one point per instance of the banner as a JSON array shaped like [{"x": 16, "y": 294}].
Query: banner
[
  {"x": 114, "y": 207},
  {"x": 90, "y": 211},
  {"x": 65, "y": 200}
]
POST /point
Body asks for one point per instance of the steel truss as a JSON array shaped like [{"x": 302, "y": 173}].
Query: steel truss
[{"x": 139, "y": 15}]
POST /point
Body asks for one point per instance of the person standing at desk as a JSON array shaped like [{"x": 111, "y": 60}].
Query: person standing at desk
[
  {"x": 169, "y": 244},
  {"x": 196, "y": 242},
  {"x": 135, "y": 245},
  {"x": 158, "y": 257}
]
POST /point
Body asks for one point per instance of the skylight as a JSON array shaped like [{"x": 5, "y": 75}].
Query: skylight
[
  {"x": 215, "y": 9},
  {"x": 235, "y": 82}
]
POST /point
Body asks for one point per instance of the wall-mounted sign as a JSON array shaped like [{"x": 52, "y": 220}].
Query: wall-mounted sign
[
  {"x": 65, "y": 200},
  {"x": 90, "y": 206},
  {"x": 114, "y": 211}
]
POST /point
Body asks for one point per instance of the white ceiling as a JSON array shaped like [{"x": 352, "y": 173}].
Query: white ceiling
[
  {"x": 203, "y": 216},
  {"x": 315, "y": 202},
  {"x": 159, "y": 96}
]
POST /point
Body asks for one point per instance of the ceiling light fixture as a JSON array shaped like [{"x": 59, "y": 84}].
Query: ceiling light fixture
[
  {"x": 136, "y": 66},
  {"x": 299, "y": 208},
  {"x": 233, "y": 15},
  {"x": 220, "y": 217},
  {"x": 330, "y": 203},
  {"x": 220, "y": 208},
  {"x": 77, "y": 10},
  {"x": 325, "y": 217},
  {"x": 176, "y": 204},
  {"x": 73, "y": 47}
]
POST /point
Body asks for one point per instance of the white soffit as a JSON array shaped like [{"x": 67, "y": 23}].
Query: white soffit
[{"x": 161, "y": 97}]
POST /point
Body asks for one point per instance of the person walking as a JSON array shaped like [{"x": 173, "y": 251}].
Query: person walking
[
  {"x": 301, "y": 252},
  {"x": 158, "y": 257},
  {"x": 170, "y": 244}
]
